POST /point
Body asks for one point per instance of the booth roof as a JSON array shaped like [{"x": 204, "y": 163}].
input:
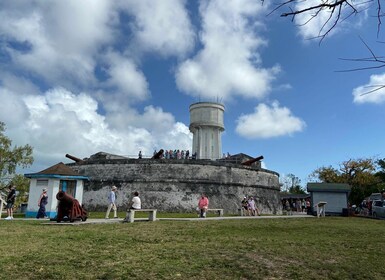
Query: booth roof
[
  {"x": 328, "y": 187},
  {"x": 57, "y": 169}
]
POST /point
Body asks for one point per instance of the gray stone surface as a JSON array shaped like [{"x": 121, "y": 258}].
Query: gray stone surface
[{"x": 176, "y": 185}]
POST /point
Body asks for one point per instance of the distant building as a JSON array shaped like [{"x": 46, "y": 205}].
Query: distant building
[
  {"x": 56, "y": 178},
  {"x": 336, "y": 196},
  {"x": 206, "y": 125}
]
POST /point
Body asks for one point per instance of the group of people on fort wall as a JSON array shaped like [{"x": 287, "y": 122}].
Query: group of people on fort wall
[{"x": 172, "y": 154}]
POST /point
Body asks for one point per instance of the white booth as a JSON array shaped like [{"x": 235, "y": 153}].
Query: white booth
[{"x": 56, "y": 178}]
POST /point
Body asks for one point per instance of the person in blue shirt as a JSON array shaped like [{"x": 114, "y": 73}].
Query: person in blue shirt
[{"x": 112, "y": 203}]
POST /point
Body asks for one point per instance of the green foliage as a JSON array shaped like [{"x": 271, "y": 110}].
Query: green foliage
[
  {"x": 381, "y": 173},
  {"x": 297, "y": 190},
  {"x": 22, "y": 187},
  {"x": 10, "y": 157},
  {"x": 292, "y": 184},
  {"x": 359, "y": 173}
]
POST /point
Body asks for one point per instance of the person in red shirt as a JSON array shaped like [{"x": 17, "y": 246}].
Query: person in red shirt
[{"x": 203, "y": 205}]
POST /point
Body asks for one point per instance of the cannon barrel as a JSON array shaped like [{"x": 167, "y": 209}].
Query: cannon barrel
[
  {"x": 74, "y": 158},
  {"x": 251, "y": 161}
]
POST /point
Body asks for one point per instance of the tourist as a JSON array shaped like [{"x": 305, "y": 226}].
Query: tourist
[
  {"x": 251, "y": 206},
  {"x": 135, "y": 204},
  {"x": 303, "y": 203},
  {"x": 245, "y": 206},
  {"x": 10, "y": 202},
  {"x": 203, "y": 205},
  {"x": 307, "y": 205},
  {"x": 112, "y": 203},
  {"x": 140, "y": 155},
  {"x": 43, "y": 200},
  {"x": 298, "y": 205},
  {"x": 187, "y": 154},
  {"x": 288, "y": 208}
]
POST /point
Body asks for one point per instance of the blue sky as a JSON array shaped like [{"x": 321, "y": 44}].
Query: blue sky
[{"x": 81, "y": 77}]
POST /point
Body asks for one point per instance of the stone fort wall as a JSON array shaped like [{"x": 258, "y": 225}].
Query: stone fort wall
[{"x": 176, "y": 185}]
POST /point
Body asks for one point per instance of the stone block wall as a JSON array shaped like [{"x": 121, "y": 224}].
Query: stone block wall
[{"x": 176, "y": 185}]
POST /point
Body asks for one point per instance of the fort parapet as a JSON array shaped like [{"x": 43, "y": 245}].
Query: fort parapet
[{"x": 175, "y": 185}]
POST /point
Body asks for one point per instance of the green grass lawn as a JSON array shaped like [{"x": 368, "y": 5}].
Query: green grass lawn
[{"x": 327, "y": 248}]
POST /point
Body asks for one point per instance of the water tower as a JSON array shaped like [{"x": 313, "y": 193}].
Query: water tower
[{"x": 206, "y": 124}]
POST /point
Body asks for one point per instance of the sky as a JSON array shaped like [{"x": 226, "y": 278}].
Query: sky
[{"x": 81, "y": 77}]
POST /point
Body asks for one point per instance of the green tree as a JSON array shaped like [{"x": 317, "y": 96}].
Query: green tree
[
  {"x": 381, "y": 173},
  {"x": 359, "y": 173},
  {"x": 292, "y": 184},
  {"x": 11, "y": 158},
  {"x": 296, "y": 189},
  {"x": 22, "y": 187}
]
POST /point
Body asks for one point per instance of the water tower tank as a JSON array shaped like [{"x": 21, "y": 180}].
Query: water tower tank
[{"x": 206, "y": 124}]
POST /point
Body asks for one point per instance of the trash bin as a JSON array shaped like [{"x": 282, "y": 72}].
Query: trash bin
[
  {"x": 345, "y": 212},
  {"x": 23, "y": 207}
]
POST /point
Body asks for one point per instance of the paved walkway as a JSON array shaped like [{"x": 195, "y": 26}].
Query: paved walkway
[{"x": 113, "y": 221}]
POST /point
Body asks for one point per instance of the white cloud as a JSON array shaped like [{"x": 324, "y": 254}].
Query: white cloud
[
  {"x": 267, "y": 122},
  {"x": 161, "y": 26},
  {"x": 13, "y": 112},
  {"x": 59, "y": 122},
  {"x": 125, "y": 79},
  {"x": 58, "y": 38},
  {"x": 372, "y": 92},
  {"x": 314, "y": 23},
  {"x": 229, "y": 63}
]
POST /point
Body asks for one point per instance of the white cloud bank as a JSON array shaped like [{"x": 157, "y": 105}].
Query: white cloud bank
[
  {"x": 72, "y": 77},
  {"x": 267, "y": 122},
  {"x": 372, "y": 92},
  {"x": 228, "y": 64},
  {"x": 61, "y": 122}
]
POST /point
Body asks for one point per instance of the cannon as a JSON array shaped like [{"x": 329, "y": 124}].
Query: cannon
[
  {"x": 74, "y": 158},
  {"x": 251, "y": 161},
  {"x": 69, "y": 207},
  {"x": 158, "y": 155}
]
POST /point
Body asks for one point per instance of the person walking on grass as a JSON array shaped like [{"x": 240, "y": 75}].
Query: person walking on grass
[
  {"x": 203, "y": 205},
  {"x": 112, "y": 203},
  {"x": 43, "y": 200},
  {"x": 10, "y": 202}
]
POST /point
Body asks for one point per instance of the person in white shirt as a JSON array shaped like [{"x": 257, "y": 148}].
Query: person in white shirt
[{"x": 135, "y": 203}]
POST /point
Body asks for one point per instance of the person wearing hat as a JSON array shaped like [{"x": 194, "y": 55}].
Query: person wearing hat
[
  {"x": 10, "y": 202},
  {"x": 112, "y": 203},
  {"x": 42, "y": 202}
]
